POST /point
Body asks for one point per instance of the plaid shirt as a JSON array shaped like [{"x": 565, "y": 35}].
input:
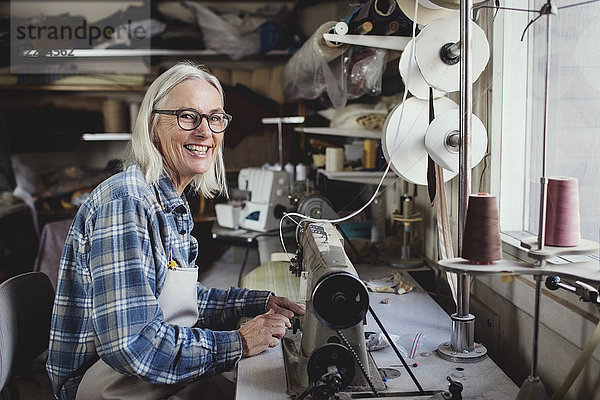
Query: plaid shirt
[{"x": 112, "y": 270}]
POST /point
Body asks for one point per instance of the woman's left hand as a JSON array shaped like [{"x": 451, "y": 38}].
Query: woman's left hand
[{"x": 284, "y": 306}]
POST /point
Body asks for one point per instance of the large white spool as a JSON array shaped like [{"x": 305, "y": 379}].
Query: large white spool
[
  {"x": 436, "y": 35},
  {"x": 427, "y": 11},
  {"x": 437, "y": 140},
  {"x": 412, "y": 76},
  {"x": 403, "y": 139}
]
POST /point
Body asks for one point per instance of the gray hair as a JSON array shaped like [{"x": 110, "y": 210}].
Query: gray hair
[{"x": 142, "y": 150}]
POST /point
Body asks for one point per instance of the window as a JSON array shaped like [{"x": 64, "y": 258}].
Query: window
[{"x": 573, "y": 135}]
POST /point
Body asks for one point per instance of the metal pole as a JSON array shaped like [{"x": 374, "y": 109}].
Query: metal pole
[
  {"x": 463, "y": 298},
  {"x": 543, "y": 179},
  {"x": 465, "y": 132},
  {"x": 543, "y": 201},
  {"x": 536, "y": 325},
  {"x": 466, "y": 117},
  {"x": 462, "y": 343},
  {"x": 280, "y": 141}
]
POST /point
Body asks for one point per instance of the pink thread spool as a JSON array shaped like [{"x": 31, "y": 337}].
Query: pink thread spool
[
  {"x": 562, "y": 212},
  {"x": 481, "y": 239}
]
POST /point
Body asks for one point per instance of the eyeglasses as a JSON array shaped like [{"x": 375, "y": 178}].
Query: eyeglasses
[{"x": 189, "y": 119}]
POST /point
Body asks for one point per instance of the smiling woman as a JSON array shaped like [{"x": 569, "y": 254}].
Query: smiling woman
[
  {"x": 130, "y": 319},
  {"x": 185, "y": 87},
  {"x": 188, "y": 151}
]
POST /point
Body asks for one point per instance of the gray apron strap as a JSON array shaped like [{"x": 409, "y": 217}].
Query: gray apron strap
[{"x": 178, "y": 301}]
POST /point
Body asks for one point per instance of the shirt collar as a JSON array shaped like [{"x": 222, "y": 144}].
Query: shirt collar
[{"x": 169, "y": 198}]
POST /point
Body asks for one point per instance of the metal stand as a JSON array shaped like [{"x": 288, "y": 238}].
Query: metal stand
[
  {"x": 533, "y": 388},
  {"x": 280, "y": 121},
  {"x": 462, "y": 347},
  {"x": 407, "y": 217}
]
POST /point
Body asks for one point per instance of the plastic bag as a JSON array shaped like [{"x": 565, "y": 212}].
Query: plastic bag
[
  {"x": 228, "y": 34},
  {"x": 317, "y": 67},
  {"x": 366, "y": 72},
  {"x": 408, "y": 345}
]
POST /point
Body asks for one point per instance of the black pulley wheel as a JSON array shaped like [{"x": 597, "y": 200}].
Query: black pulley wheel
[
  {"x": 331, "y": 354},
  {"x": 340, "y": 300}
]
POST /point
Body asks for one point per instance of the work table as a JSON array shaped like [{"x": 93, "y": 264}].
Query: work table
[{"x": 263, "y": 376}]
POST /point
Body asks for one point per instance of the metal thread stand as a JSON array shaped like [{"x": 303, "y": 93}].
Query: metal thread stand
[
  {"x": 462, "y": 347},
  {"x": 280, "y": 121},
  {"x": 533, "y": 388}
]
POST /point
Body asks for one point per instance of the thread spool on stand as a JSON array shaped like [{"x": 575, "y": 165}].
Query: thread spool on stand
[
  {"x": 481, "y": 245},
  {"x": 562, "y": 212},
  {"x": 481, "y": 240}
]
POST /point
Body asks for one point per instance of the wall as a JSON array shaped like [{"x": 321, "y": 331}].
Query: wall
[{"x": 564, "y": 330}]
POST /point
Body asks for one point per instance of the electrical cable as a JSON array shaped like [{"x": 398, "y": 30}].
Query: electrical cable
[{"x": 354, "y": 249}]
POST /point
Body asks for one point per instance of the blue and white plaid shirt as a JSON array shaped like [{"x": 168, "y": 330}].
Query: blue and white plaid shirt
[{"x": 112, "y": 270}]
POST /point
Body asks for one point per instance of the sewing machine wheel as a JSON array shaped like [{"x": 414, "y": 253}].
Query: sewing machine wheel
[
  {"x": 340, "y": 300},
  {"x": 331, "y": 354},
  {"x": 316, "y": 206}
]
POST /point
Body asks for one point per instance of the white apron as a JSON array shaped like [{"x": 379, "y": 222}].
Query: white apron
[{"x": 178, "y": 301}]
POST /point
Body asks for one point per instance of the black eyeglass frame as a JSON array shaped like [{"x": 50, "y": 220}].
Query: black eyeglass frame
[{"x": 202, "y": 116}]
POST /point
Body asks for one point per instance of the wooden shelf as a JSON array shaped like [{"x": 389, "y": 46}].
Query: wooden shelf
[
  {"x": 105, "y": 137},
  {"x": 362, "y": 177},
  {"x": 74, "y": 88},
  {"x": 100, "y": 53},
  {"x": 348, "y": 132},
  {"x": 381, "y": 42}
]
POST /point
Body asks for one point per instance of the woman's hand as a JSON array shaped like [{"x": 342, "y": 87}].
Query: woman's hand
[
  {"x": 284, "y": 306},
  {"x": 262, "y": 332}
]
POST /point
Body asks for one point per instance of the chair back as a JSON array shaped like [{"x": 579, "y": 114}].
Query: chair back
[{"x": 26, "y": 302}]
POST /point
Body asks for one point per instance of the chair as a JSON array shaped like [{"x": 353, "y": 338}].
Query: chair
[
  {"x": 50, "y": 249},
  {"x": 25, "y": 310}
]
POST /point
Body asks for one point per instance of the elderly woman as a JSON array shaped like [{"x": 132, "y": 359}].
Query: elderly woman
[{"x": 130, "y": 319}]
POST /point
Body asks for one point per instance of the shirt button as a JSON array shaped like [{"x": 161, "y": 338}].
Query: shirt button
[{"x": 182, "y": 232}]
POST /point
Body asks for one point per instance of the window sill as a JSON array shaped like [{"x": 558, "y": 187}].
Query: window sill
[{"x": 561, "y": 310}]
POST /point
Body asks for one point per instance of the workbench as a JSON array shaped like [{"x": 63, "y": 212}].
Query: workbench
[{"x": 263, "y": 376}]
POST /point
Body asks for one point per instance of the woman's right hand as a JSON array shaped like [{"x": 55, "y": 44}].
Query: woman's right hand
[{"x": 262, "y": 332}]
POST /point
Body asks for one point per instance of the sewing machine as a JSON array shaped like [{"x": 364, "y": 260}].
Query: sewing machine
[
  {"x": 329, "y": 360},
  {"x": 331, "y": 354},
  {"x": 266, "y": 201}
]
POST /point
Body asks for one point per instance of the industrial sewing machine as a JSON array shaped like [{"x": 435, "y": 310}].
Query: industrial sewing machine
[
  {"x": 332, "y": 353},
  {"x": 330, "y": 356}
]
